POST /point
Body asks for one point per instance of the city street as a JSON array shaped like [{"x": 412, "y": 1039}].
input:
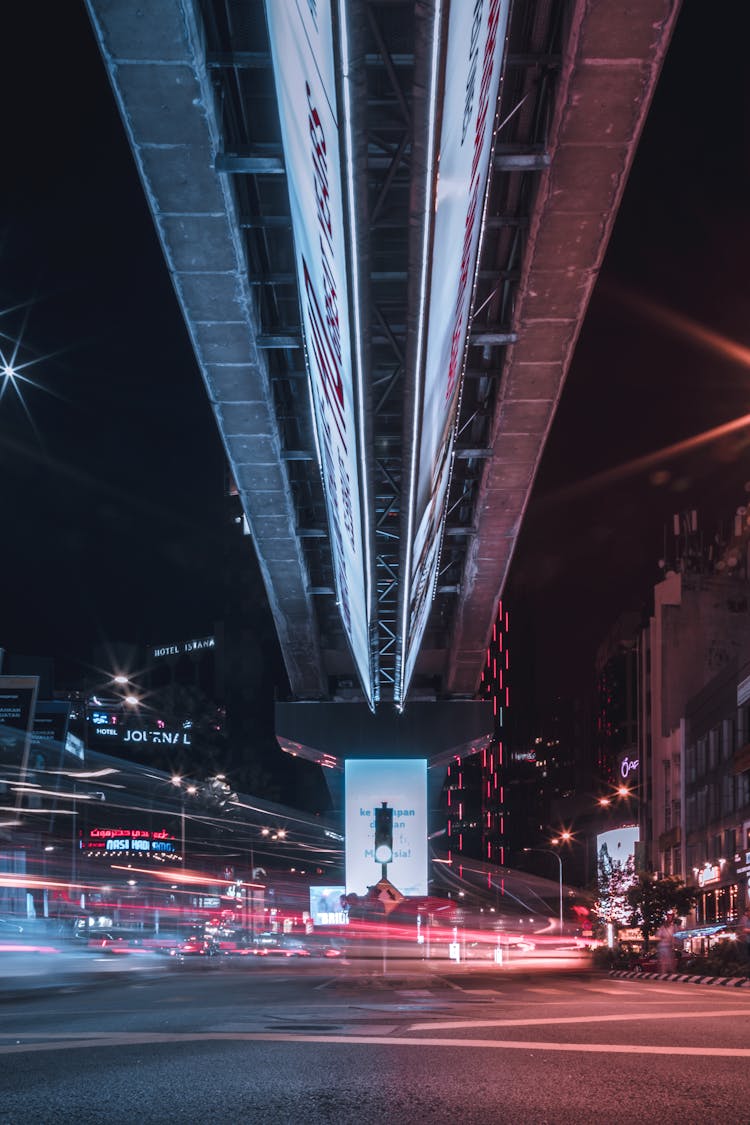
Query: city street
[{"x": 343, "y": 1043}]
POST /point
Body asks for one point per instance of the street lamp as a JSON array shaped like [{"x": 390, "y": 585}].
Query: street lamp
[
  {"x": 558, "y": 857},
  {"x": 177, "y": 781}
]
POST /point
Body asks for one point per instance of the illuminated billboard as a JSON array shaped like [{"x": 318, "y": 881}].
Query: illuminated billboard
[
  {"x": 402, "y": 785},
  {"x": 326, "y": 908},
  {"x": 314, "y": 132},
  {"x": 117, "y": 726},
  {"x": 474, "y": 60},
  {"x": 620, "y": 843},
  {"x": 142, "y": 843}
]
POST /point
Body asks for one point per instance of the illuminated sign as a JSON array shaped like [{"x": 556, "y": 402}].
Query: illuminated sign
[
  {"x": 475, "y": 51},
  {"x": 18, "y": 701},
  {"x": 628, "y": 766},
  {"x": 326, "y": 908},
  {"x": 711, "y": 873},
  {"x": 183, "y": 647},
  {"x": 402, "y": 784},
  {"x": 114, "y": 842},
  {"x": 302, "y": 48},
  {"x": 115, "y": 727},
  {"x": 50, "y": 721},
  {"x": 619, "y": 842},
  {"x": 524, "y": 756},
  {"x": 74, "y": 745}
]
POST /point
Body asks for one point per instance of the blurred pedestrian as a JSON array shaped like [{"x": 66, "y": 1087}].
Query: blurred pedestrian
[
  {"x": 743, "y": 934},
  {"x": 665, "y": 945}
]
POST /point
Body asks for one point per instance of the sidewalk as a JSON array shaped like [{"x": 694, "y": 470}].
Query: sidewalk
[{"x": 682, "y": 978}]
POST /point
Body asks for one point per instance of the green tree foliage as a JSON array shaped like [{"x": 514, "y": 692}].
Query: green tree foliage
[
  {"x": 652, "y": 899},
  {"x": 614, "y": 880}
]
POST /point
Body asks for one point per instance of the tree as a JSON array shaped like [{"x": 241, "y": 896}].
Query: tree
[
  {"x": 652, "y": 899},
  {"x": 615, "y": 879}
]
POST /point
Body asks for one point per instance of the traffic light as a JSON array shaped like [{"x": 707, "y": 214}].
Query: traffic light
[{"x": 383, "y": 834}]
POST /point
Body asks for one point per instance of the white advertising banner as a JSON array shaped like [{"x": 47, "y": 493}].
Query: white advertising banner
[
  {"x": 402, "y": 784},
  {"x": 619, "y": 842},
  {"x": 476, "y": 42},
  {"x": 326, "y": 908},
  {"x": 302, "y": 49}
]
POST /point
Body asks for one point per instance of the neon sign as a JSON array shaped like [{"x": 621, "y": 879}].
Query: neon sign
[
  {"x": 711, "y": 873},
  {"x": 129, "y": 841}
]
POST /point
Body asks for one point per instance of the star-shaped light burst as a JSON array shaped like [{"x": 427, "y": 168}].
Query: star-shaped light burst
[{"x": 14, "y": 366}]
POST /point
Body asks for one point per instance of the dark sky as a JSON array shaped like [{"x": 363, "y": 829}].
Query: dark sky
[
  {"x": 111, "y": 487},
  {"x": 111, "y": 491},
  {"x": 641, "y": 379}
]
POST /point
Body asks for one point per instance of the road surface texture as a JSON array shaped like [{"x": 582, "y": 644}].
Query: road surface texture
[{"x": 327, "y": 1044}]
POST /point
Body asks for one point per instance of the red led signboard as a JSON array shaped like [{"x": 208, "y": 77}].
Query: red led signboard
[{"x": 129, "y": 842}]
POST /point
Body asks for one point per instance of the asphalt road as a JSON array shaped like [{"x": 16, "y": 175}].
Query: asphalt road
[{"x": 288, "y": 1043}]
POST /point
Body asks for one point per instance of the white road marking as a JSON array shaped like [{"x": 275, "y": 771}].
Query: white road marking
[
  {"x": 550, "y": 1021},
  {"x": 617, "y": 991},
  {"x": 135, "y": 1039}
]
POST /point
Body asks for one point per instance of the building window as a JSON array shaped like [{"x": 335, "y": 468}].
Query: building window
[
  {"x": 690, "y": 762},
  {"x": 727, "y": 794},
  {"x": 676, "y": 867},
  {"x": 727, "y": 738},
  {"x": 743, "y": 725},
  {"x": 667, "y": 794},
  {"x": 713, "y": 749},
  {"x": 743, "y": 789},
  {"x": 700, "y": 764}
]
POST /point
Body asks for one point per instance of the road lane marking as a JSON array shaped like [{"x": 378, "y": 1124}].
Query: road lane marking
[
  {"x": 148, "y": 1039},
  {"x": 553, "y": 1020},
  {"x": 615, "y": 991}
]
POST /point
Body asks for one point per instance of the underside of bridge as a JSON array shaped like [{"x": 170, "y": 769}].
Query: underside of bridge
[{"x": 383, "y": 588}]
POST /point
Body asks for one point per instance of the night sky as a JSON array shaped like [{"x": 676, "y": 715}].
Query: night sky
[{"x": 111, "y": 486}]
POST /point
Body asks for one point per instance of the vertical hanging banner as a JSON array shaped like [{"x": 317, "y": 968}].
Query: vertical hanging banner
[
  {"x": 302, "y": 49},
  {"x": 402, "y": 784},
  {"x": 474, "y": 60}
]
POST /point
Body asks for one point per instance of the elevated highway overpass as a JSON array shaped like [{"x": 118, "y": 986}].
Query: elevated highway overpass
[{"x": 383, "y": 221}]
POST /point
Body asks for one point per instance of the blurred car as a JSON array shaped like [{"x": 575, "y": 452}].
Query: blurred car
[
  {"x": 321, "y": 946},
  {"x": 649, "y": 962},
  {"x": 195, "y": 946},
  {"x": 118, "y": 944},
  {"x": 279, "y": 945},
  {"x": 15, "y": 938}
]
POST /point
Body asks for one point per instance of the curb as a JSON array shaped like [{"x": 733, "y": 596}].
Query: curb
[{"x": 681, "y": 978}]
